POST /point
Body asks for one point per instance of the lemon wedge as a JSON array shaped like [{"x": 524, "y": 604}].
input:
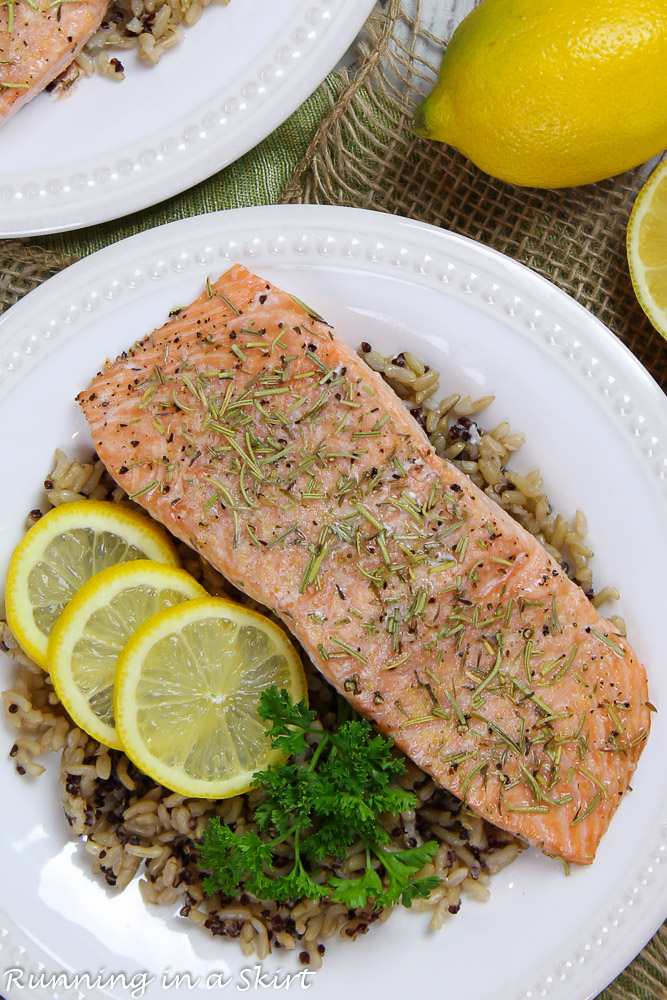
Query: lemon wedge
[
  {"x": 647, "y": 248},
  {"x": 187, "y": 693},
  {"x": 61, "y": 552},
  {"x": 90, "y": 634}
]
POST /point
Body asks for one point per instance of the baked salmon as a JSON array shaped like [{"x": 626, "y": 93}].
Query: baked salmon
[
  {"x": 254, "y": 433},
  {"x": 38, "y": 40}
]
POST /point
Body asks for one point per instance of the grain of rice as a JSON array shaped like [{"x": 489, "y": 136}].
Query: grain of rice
[
  {"x": 401, "y": 375},
  {"x": 144, "y": 806},
  {"x": 573, "y": 539},
  {"x": 580, "y": 523},
  {"x": 146, "y": 43},
  {"x": 168, "y": 897},
  {"x": 143, "y": 852},
  {"x": 477, "y": 831},
  {"x": 373, "y": 360},
  {"x": 523, "y": 484},
  {"x": 559, "y": 532},
  {"x": 502, "y": 857},
  {"x": 424, "y": 394},
  {"x": 85, "y": 63},
  {"x": 126, "y": 876},
  {"x": 491, "y": 471},
  {"x": 161, "y": 21},
  {"x": 81, "y": 769},
  {"x": 173, "y": 800},
  {"x": 355, "y": 860},
  {"x": 436, "y": 816},
  {"x": 124, "y": 776},
  {"x": 619, "y": 622},
  {"x": 13, "y": 701},
  {"x": 542, "y": 513},
  {"x": 467, "y": 406},
  {"x": 143, "y": 826},
  {"x": 455, "y": 450},
  {"x": 440, "y": 914},
  {"x": 314, "y": 928},
  {"x": 501, "y": 432},
  {"x": 606, "y": 594},
  {"x": 103, "y": 765},
  {"x": 425, "y": 381},
  {"x": 456, "y": 876},
  {"x": 513, "y": 442},
  {"x": 584, "y": 577},
  {"x": 110, "y": 66},
  {"x": 193, "y": 14},
  {"x": 474, "y": 889},
  {"x": 414, "y": 363}
]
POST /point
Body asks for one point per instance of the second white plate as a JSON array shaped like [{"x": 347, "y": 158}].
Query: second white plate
[
  {"x": 594, "y": 421},
  {"x": 110, "y": 149}
]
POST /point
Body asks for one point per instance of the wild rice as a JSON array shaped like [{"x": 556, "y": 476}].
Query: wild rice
[{"x": 129, "y": 824}]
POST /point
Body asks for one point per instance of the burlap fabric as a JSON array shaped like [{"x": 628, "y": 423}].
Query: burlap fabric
[
  {"x": 361, "y": 152},
  {"x": 366, "y": 155}
]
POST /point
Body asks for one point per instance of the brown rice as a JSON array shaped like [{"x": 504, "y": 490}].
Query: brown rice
[{"x": 129, "y": 824}]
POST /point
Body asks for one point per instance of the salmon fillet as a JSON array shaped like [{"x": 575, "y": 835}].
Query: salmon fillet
[
  {"x": 38, "y": 40},
  {"x": 251, "y": 430}
]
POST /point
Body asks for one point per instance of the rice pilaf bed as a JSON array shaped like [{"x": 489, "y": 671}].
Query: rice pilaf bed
[{"x": 125, "y": 820}]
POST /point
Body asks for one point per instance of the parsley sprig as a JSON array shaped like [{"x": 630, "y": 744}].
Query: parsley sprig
[{"x": 326, "y": 804}]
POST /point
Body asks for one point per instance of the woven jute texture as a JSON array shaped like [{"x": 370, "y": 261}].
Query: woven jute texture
[
  {"x": 364, "y": 154},
  {"x": 23, "y": 267}
]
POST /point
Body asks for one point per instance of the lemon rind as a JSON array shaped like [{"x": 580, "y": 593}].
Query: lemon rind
[
  {"x": 128, "y": 671},
  {"x": 149, "y": 534},
  {"x": 114, "y": 580},
  {"x": 637, "y": 269}
]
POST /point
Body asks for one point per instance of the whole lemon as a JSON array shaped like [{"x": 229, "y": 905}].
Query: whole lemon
[{"x": 553, "y": 94}]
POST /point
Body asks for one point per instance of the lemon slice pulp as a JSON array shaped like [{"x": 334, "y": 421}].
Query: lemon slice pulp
[
  {"x": 647, "y": 248},
  {"x": 91, "y": 632},
  {"x": 187, "y": 693},
  {"x": 61, "y": 552}
]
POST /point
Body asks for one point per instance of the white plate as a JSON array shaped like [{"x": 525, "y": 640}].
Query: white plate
[
  {"x": 113, "y": 148},
  {"x": 594, "y": 420}
]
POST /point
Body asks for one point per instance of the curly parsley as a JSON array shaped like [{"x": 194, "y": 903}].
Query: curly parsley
[{"x": 326, "y": 805}]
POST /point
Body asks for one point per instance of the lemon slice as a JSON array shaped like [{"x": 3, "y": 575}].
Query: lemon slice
[
  {"x": 647, "y": 248},
  {"x": 61, "y": 552},
  {"x": 90, "y": 634},
  {"x": 187, "y": 693}
]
